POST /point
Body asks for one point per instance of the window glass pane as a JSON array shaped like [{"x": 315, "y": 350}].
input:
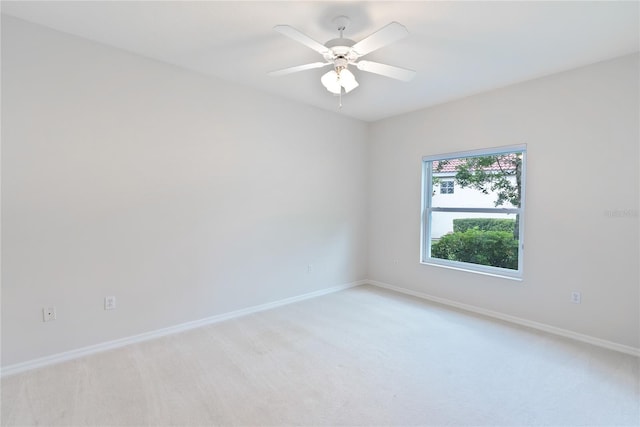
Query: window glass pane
[
  {"x": 480, "y": 181},
  {"x": 477, "y": 238}
]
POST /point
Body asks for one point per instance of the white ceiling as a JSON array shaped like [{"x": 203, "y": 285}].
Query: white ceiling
[{"x": 457, "y": 48}]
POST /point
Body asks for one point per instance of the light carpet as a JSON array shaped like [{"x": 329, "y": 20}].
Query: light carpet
[{"x": 363, "y": 356}]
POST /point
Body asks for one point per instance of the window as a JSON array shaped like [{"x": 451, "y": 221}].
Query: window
[
  {"x": 446, "y": 187},
  {"x": 480, "y": 226}
]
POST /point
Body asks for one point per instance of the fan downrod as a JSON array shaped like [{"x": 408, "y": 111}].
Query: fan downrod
[{"x": 341, "y": 23}]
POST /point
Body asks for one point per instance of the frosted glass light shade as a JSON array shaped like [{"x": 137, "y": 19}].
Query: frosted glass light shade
[
  {"x": 331, "y": 82},
  {"x": 334, "y": 82},
  {"x": 348, "y": 80}
]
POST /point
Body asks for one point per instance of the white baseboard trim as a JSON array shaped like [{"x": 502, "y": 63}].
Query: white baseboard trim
[
  {"x": 513, "y": 319},
  {"x": 109, "y": 345}
]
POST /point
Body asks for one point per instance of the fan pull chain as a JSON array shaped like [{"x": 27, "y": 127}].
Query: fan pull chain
[{"x": 340, "y": 100}]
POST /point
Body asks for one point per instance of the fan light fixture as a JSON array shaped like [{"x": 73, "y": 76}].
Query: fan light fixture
[{"x": 335, "y": 80}]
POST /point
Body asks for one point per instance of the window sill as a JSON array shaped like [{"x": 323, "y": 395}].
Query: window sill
[{"x": 516, "y": 277}]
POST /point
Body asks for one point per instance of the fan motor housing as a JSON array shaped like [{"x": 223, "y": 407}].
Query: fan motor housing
[
  {"x": 339, "y": 42},
  {"x": 340, "y": 47}
]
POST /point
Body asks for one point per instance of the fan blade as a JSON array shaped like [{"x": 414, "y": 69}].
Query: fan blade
[
  {"x": 386, "y": 35},
  {"x": 386, "y": 70},
  {"x": 296, "y": 35},
  {"x": 298, "y": 68}
]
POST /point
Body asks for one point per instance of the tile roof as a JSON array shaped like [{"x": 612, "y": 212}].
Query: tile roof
[{"x": 452, "y": 165}]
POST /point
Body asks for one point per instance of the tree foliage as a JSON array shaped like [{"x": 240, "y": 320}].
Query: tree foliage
[
  {"x": 493, "y": 248},
  {"x": 483, "y": 224}
]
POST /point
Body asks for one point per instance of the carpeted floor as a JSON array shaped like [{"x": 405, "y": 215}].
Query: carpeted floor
[{"x": 363, "y": 356}]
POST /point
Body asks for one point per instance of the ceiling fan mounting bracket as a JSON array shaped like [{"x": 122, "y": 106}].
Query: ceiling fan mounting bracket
[{"x": 341, "y": 23}]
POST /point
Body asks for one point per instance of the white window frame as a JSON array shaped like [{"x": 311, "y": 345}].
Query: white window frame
[{"x": 427, "y": 211}]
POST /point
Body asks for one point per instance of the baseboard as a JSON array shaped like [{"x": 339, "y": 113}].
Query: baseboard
[
  {"x": 513, "y": 319},
  {"x": 109, "y": 345}
]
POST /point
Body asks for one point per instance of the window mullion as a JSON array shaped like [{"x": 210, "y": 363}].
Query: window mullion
[{"x": 477, "y": 210}]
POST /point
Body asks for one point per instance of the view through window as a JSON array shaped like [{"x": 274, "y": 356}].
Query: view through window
[{"x": 479, "y": 226}]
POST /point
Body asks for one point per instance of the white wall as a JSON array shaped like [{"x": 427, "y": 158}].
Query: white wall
[
  {"x": 581, "y": 128},
  {"x": 182, "y": 195}
]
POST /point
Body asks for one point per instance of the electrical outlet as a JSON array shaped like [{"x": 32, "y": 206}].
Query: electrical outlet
[
  {"x": 48, "y": 314},
  {"x": 576, "y": 297},
  {"x": 310, "y": 268},
  {"x": 109, "y": 303}
]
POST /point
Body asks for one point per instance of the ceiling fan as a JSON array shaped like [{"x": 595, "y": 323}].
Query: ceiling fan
[{"x": 342, "y": 52}]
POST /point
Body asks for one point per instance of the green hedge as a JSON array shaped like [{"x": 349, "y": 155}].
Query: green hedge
[
  {"x": 495, "y": 248},
  {"x": 483, "y": 224}
]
